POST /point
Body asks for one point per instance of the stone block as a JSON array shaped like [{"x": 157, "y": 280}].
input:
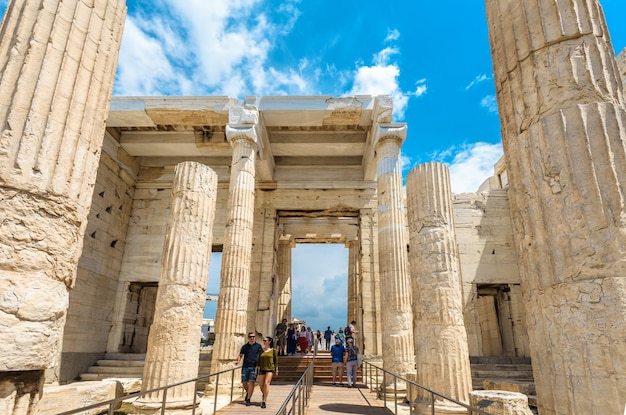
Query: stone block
[
  {"x": 500, "y": 402},
  {"x": 60, "y": 398},
  {"x": 527, "y": 388}
]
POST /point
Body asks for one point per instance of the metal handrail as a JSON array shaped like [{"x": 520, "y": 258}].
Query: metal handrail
[
  {"x": 301, "y": 392},
  {"x": 374, "y": 385},
  {"x": 112, "y": 403}
]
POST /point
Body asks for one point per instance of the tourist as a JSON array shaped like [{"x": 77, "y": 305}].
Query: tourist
[
  {"x": 351, "y": 359},
  {"x": 292, "y": 339},
  {"x": 309, "y": 339},
  {"x": 281, "y": 337},
  {"x": 327, "y": 336},
  {"x": 267, "y": 367},
  {"x": 336, "y": 353},
  {"x": 318, "y": 336},
  {"x": 340, "y": 335},
  {"x": 250, "y": 353},
  {"x": 302, "y": 342},
  {"x": 351, "y": 330}
]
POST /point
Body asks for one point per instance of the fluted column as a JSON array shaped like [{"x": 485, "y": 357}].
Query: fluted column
[
  {"x": 353, "y": 251},
  {"x": 564, "y": 130},
  {"x": 441, "y": 349},
  {"x": 284, "y": 280},
  {"x": 57, "y": 66},
  {"x": 397, "y": 321},
  {"x": 172, "y": 354},
  {"x": 370, "y": 322},
  {"x": 232, "y": 305}
]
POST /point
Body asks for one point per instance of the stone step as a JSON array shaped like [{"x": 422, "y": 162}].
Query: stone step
[
  {"x": 500, "y": 360},
  {"x": 511, "y": 374},
  {"x": 120, "y": 363},
  {"x": 501, "y": 367},
  {"x": 127, "y": 371},
  {"x": 125, "y": 356}
]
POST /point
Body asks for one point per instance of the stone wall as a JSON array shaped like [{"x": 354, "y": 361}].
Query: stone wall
[
  {"x": 144, "y": 247},
  {"x": 92, "y": 299},
  {"x": 488, "y": 260}
]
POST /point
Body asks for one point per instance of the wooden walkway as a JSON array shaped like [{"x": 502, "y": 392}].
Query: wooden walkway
[{"x": 325, "y": 400}]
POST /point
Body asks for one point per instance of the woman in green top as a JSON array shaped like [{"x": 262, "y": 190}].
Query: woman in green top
[{"x": 266, "y": 367}]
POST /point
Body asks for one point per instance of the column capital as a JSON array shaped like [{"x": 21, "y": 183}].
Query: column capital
[
  {"x": 396, "y": 131},
  {"x": 242, "y": 124}
]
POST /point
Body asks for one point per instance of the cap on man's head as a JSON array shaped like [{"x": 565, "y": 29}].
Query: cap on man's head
[
  {"x": 350, "y": 339},
  {"x": 337, "y": 340}
]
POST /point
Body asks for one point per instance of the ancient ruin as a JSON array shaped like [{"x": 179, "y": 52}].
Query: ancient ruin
[{"x": 531, "y": 265}]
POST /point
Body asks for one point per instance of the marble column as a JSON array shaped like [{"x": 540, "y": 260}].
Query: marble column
[
  {"x": 232, "y": 305},
  {"x": 285, "y": 247},
  {"x": 172, "y": 354},
  {"x": 563, "y": 121},
  {"x": 353, "y": 251},
  {"x": 397, "y": 321},
  {"x": 441, "y": 349},
  {"x": 57, "y": 66},
  {"x": 370, "y": 323}
]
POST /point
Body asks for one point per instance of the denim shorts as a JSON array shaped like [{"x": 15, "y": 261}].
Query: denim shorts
[{"x": 247, "y": 374}]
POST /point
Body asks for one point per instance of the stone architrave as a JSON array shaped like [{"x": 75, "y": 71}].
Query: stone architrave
[
  {"x": 172, "y": 354},
  {"x": 441, "y": 350},
  {"x": 57, "y": 61},
  {"x": 563, "y": 120},
  {"x": 232, "y": 305},
  {"x": 397, "y": 321}
]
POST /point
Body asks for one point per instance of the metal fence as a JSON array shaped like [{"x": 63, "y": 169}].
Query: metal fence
[
  {"x": 298, "y": 398},
  {"x": 114, "y": 403},
  {"x": 380, "y": 380}
]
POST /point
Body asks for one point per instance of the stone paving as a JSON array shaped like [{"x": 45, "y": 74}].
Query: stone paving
[{"x": 325, "y": 399}]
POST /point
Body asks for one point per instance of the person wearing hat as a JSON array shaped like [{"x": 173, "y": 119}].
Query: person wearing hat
[
  {"x": 350, "y": 358},
  {"x": 337, "y": 353}
]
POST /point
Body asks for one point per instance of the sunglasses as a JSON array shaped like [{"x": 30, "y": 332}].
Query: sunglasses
[
  {"x": 251, "y": 337},
  {"x": 265, "y": 340}
]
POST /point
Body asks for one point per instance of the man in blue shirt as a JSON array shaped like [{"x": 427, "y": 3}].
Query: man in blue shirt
[
  {"x": 250, "y": 353},
  {"x": 327, "y": 335},
  {"x": 337, "y": 353}
]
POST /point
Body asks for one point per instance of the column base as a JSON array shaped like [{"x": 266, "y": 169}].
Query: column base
[{"x": 20, "y": 391}]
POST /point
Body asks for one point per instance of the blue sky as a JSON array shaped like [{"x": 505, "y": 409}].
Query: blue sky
[{"x": 433, "y": 57}]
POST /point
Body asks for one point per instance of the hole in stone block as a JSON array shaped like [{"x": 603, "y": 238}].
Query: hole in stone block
[
  {"x": 113, "y": 243},
  {"x": 93, "y": 234},
  {"x": 101, "y": 194},
  {"x": 108, "y": 209}
]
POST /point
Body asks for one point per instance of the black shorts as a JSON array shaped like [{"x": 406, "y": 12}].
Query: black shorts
[{"x": 262, "y": 372}]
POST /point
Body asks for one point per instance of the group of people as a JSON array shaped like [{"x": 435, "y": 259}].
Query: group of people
[
  {"x": 341, "y": 355},
  {"x": 260, "y": 362},
  {"x": 291, "y": 338}
]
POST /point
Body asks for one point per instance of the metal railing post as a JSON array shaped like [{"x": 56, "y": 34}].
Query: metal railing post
[
  {"x": 217, "y": 385},
  {"x": 432, "y": 403},
  {"x": 395, "y": 393},
  {"x": 163, "y": 402}
]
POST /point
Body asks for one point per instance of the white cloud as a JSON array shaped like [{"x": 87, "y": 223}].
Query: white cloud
[
  {"x": 476, "y": 81},
  {"x": 392, "y": 34},
  {"x": 471, "y": 164},
  {"x": 490, "y": 103},
  {"x": 382, "y": 79},
  {"x": 206, "y": 48}
]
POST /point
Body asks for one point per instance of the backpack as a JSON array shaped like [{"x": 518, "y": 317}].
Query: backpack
[{"x": 347, "y": 331}]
